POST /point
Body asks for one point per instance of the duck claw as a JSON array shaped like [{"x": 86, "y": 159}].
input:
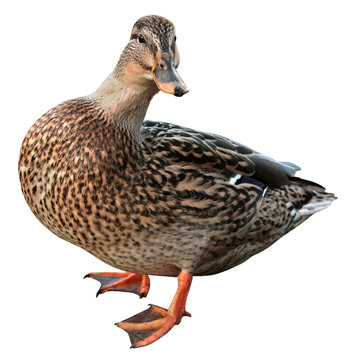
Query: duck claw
[
  {"x": 149, "y": 325},
  {"x": 126, "y": 282},
  {"x": 144, "y": 325}
]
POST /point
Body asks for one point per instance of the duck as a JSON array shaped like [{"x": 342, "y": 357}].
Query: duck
[{"x": 150, "y": 197}]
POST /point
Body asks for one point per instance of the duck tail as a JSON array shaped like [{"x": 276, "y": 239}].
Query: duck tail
[{"x": 318, "y": 199}]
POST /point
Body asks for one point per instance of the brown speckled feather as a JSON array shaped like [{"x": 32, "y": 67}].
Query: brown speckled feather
[
  {"x": 215, "y": 152},
  {"x": 150, "y": 206}
]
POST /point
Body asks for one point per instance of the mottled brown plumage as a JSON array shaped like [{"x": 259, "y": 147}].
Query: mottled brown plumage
[{"x": 155, "y": 198}]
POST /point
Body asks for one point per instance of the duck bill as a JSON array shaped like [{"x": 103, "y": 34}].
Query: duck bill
[{"x": 166, "y": 77}]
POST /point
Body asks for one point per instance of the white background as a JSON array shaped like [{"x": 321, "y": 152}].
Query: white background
[{"x": 270, "y": 74}]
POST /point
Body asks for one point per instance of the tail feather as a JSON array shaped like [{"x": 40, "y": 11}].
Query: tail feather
[
  {"x": 319, "y": 201},
  {"x": 309, "y": 199}
]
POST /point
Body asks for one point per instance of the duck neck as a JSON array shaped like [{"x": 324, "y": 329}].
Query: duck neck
[{"x": 125, "y": 103}]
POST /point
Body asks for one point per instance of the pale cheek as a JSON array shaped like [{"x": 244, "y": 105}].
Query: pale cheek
[
  {"x": 134, "y": 70},
  {"x": 148, "y": 76},
  {"x": 136, "y": 74},
  {"x": 148, "y": 60}
]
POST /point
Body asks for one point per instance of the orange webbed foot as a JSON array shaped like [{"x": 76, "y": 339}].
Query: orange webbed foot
[
  {"x": 128, "y": 282},
  {"x": 150, "y": 325}
]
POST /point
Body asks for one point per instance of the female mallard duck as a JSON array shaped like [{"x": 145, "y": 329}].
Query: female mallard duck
[{"x": 153, "y": 198}]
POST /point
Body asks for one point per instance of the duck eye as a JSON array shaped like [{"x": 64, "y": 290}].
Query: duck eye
[
  {"x": 174, "y": 38},
  {"x": 141, "y": 38}
]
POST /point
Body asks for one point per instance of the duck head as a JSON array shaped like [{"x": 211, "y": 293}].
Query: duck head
[{"x": 151, "y": 57}]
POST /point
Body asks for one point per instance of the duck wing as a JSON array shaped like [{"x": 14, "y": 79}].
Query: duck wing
[{"x": 215, "y": 153}]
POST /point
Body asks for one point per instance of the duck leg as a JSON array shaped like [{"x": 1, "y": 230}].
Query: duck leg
[
  {"x": 151, "y": 324},
  {"x": 128, "y": 282}
]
